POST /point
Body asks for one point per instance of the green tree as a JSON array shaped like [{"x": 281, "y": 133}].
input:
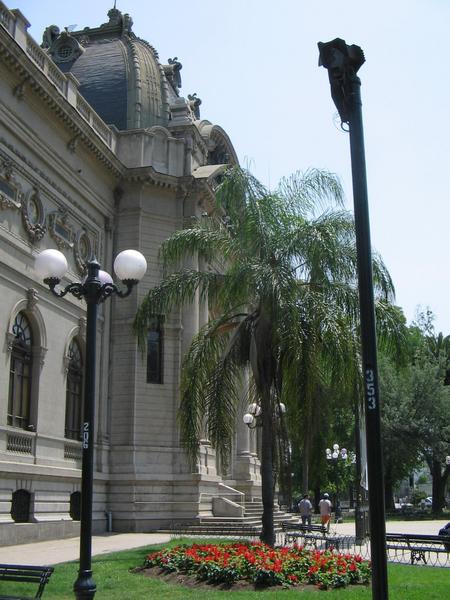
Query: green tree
[
  {"x": 281, "y": 288},
  {"x": 431, "y": 362},
  {"x": 416, "y": 409},
  {"x": 401, "y": 447},
  {"x": 431, "y": 418}
]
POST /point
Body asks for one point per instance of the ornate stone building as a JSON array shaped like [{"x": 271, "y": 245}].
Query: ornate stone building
[{"x": 99, "y": 152}]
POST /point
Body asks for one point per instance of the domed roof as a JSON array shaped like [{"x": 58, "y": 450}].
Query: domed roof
[{"x": 120, "y": 75}]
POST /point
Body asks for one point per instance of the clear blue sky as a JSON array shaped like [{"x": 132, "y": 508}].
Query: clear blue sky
[{"x": 254, "y": 65}]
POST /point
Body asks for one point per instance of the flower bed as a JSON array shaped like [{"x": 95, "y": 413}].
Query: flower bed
[{"x": 261, "y": 565}]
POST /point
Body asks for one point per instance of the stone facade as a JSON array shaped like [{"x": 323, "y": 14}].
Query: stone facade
[{"x": 123, "y": 173}]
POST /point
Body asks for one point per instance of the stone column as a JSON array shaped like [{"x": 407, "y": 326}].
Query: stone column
[
  {"x": 208, "y": 462},
  {"x": 246, "y": 476}
]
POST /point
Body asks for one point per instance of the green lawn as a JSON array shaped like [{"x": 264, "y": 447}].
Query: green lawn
[{"x": 114, "y": 582}]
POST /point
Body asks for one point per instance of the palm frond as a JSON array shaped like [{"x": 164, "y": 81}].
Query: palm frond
[
  {"x": 202, "y": 241},
  {"x": 175, "y": 290},
  {"x": 210, "y": 384},
  {"x": 311, "y": 190}
]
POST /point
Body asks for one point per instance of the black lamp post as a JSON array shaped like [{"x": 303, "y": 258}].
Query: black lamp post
[
  {"x": 130, "y": 267},
  {"x": 259, "y": 417},
  {"x": 343, "y": 62},
  {"x": 334, "y": 457}
]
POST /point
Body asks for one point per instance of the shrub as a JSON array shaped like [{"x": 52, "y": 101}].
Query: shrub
[{"x": 263, "y": 565}]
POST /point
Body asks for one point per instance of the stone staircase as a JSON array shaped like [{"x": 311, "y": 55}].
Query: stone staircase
[{"x": 249, "y": 524}]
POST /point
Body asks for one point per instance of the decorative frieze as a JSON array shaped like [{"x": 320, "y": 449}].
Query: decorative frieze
[
  {"x": 10, "y": 189},
  {"x": 67, "y": 231},
  {"x": 82, "y": 249},
  {"x": 32, "y": 172},
  {"x": 33, "y": 215},
  {"x": 60, "y": 230}
]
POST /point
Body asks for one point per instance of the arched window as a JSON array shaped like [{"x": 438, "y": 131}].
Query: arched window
[
  {"x": 74, "y": 392},
  {"x": 20, "y": 506},
  {"x": 75, "y": 506},
  {"x": 20, "y": 373},
  {"x": 155, "y": 364}
]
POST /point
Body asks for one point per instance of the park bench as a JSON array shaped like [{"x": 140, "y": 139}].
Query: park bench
[
  {"x": 25, "y": 574},
  {"x": 316, "y": 536},
  {"x": 308, "y": 533},
  {"x": 418, "y": 545}
]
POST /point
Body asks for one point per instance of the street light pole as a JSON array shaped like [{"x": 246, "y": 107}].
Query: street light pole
[
  {"x": 343, "y": 62},
  {"x": 261, "y": 417},
  {"x": 130, "y": 266},
  {"x": 84, "y": 587},
  {"x": 334, "y": 457}
]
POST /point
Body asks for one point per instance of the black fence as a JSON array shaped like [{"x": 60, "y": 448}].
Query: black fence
[{"x": 420, "y": 550}]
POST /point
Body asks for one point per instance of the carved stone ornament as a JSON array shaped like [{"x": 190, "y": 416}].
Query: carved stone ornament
[
  {"x": 73, "y": 143},
  {"x": 65, "y": 48},
  {"x": 172, "y": 72},
  {"x": 84, "y": 40},
  {"x": 10, "y": 339},
  {"x": 60, "y": 230},
  {"x": 32, "y": 298},
  {"x": 10, "y": 189},
  {"x": 33, "y": 215},
  {"x": 118, "y": 19},
  {"x": 50, "y": 35},
  {"x": 194, "y": 103},
  {"x": 82, "y": 249},
  {"x": 40, "y": 355},
  {"x": 82, "y": 327},
  {"x": 19, "y": 90}
]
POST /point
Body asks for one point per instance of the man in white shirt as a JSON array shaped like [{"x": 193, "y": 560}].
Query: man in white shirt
[{"x": 325, "y": 511}]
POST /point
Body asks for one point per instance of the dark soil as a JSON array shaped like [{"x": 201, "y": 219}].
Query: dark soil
[{"x": 191, "y": 582}]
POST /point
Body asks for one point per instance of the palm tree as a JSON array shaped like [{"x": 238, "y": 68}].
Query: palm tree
[{"x": 282, "y": 296}]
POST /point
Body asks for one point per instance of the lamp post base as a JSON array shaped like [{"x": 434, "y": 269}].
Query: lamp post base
[
  {"x": 361, "y": 524},
  {"x": 84, "y": 587}
]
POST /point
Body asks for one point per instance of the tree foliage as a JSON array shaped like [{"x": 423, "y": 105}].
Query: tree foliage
[
  {"x": 282, "y": 292},
  {"x": 416, "y": 409}
]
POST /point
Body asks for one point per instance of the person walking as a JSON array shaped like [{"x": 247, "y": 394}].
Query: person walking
[
  {"x": 305, "y": 509},
  {"x": 325, "y": 511}
]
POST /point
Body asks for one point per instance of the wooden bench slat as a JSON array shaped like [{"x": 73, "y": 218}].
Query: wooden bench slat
[
  {"x": 299, "y": 527},
  {"x": 417, "y": 544},
  {"x": 25, "y": 574}
]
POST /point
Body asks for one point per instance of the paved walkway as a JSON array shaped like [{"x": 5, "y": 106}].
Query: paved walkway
[
  {"x": 432, "y": 527},
  {"x": 423, "y": 527},
  {"x": 58, "y": 551}
]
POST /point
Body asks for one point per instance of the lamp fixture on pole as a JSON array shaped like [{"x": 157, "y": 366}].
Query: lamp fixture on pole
[
  {"x": 334, "y": 456},
  {"x": 336, "y": 453},
  {"x": 129, "y": 266},
  {"x": 252, "y": 417}
]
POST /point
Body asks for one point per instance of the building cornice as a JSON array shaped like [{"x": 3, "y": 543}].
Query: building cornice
[{"x": 36, "y": 71}]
